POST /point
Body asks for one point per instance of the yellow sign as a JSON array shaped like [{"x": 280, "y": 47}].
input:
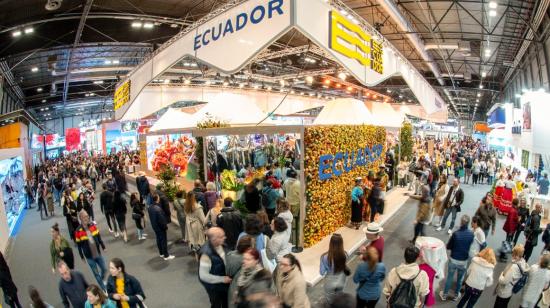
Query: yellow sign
[
  {"x": 350, "y": 40},
  {"x": 122, "y": 95}
]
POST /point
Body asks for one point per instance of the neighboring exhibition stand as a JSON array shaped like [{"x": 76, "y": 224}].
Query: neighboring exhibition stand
[{"x": 329, "y": 156}]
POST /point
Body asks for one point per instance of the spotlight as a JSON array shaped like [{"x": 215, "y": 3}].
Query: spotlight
[
  {"x": 34, "y": 69},
  {"x": 43, "y": 101},
  {"x": 342, "y": 76},
  {"x": 241, "y": 85},
  {"x": 148, "y": 25},
  {"x": 186, "y": 81},
  {"x": 98, "y": 82},
  {"x": 309, "y": 79},
  {"x": 16, "y": 33},
  {"x": 493, "y": 4},
  {"x": 39, "y": 90},
  {"x": 137, "y": 24},
  {"x": 116, "y": 61},
  {"x": 492, "y": 13},
  {"x": 29, "y": 30}
]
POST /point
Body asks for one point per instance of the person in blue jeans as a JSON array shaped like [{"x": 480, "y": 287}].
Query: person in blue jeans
[
  {"x": 459, "y": 245},
  {"x": 89, "y": 243}
]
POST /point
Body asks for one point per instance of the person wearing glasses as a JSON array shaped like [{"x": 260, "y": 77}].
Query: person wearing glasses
[{"x": 290, "y": 283}]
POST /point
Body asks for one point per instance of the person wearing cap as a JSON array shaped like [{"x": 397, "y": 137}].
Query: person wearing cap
[
  {"x": 357, "y": 204},
  {"x": 374, "y": 239}
]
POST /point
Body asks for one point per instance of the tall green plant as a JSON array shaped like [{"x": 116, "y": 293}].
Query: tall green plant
[
  {"x": 200, "y": 157},
  {"x": 167, "y": 175},
  {"x": 406, "y": 139}
]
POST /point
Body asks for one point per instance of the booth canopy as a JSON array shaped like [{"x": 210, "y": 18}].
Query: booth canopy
[
  {"x": 233, "y": 109},
  {"x": 344, "y": 111},
  {"x": 384, "y": 115},
  {"x": 174, "y": 119}
]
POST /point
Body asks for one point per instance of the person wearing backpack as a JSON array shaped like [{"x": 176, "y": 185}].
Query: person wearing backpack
[
  {"x": 407, "y": 285},
  {"x": 513, "y": 278},
  {"x": 479, "y": 277}
]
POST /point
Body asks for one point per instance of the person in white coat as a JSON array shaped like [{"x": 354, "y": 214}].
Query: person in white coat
[
  {"x": 510, "y": 276},
  {"x": 539, "y": 280},
  {"x": 480, "y": 276},
  {"x": 279, "y": 244}
]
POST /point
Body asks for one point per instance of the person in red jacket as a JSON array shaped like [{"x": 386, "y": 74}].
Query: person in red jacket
[{"x": 512, "y": 221}]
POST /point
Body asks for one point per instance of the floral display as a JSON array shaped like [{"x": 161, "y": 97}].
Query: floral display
[
  {"x": 329, "y": 201},
  {"x": 176, "y": 152}
]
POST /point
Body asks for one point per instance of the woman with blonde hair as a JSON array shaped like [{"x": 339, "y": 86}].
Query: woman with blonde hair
[
  {"x": 213, "y": 213},
  {"x": 439, "y": 198},
  {"x": 211, "y": 196},
  {"x": 479, "y": 277},
  {"x": 194, "y": 222},
  {"x": 510, "y": 276}
]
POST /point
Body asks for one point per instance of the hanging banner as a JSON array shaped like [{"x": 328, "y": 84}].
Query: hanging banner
[
  {"x": 72, "y": 139},
  {"x": 229, "y": 41}
]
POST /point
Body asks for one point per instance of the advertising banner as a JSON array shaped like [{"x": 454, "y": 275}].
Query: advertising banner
[{"x": 72, "y": 139}]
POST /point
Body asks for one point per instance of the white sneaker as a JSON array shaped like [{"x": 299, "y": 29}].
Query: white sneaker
[
  {"x": 456, "y": 298},
  {"x": 144, "y": 234},
  {"x": 170, "y": 257},
  {"x": 116, "y": 234},
  {"x": 450, "y": 231},
  {"x": 442, "y": 296},
  {"x": 438, "y": 228}
]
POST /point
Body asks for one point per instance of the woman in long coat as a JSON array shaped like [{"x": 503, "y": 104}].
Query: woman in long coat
[
  {"x": 439, "y": 198},
  {"x": 194, "y": 222}
]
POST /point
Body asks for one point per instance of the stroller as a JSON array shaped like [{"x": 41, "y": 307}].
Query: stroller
[{"x": 504, "y": 250}]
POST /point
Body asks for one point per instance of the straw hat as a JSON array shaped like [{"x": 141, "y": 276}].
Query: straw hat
[{"x": 373, "y": 228}]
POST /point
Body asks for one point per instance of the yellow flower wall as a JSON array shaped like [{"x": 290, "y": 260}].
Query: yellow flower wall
[{"x": 328, "y": 201}]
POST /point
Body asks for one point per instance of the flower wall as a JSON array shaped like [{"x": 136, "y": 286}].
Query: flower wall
[{"x": 334, "y": 157}]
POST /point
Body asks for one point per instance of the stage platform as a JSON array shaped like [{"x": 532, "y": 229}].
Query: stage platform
[{"x": 353, "y": 239}]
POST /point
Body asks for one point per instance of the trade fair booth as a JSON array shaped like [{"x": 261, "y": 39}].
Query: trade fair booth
[{"x": 329, "y": 157}]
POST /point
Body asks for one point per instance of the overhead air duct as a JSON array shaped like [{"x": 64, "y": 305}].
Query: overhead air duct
[{"x": 405, "y": 26}]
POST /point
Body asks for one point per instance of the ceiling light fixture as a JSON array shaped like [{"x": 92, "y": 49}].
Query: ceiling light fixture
[
  {"x": 148, "y": 25},
  {"x": 16, "y": 33},
  {"x": 39, "y": 90},
  {"x": 166, "y": 81},
  {"x": 98, "y": 82},
  {"x": 269, "y": 88},
  {"x": 137, "y": 24},
  {"x": 43, "y": 100},
  {"x": 342, "y": 76},
  {"x": 107, "y": 62},
  {"x": 483, "y": 74},
  {"x": 481, "y": 86},
  {"x": 479, "y": 95},
  {"x": 350, "y": 88},
  {"x": 207, "y": 82},
  {"x": 29, "y": 30},
  {"x": 187, "y": 81},
  {"x": 34, "y": 69},
  {"x": 116, "y": 61},
  {"x": 492, "y": 13},
  {"x": 309, "y": 79}
]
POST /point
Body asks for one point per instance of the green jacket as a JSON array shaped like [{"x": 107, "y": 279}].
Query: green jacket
[{"x": 55, "y": 257}]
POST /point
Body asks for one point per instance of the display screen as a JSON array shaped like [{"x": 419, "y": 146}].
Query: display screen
[
  {"x": 52, "y": 141},
  {"x": 116, "y": 141},
  {"x": 13, "y": 183},
  {"x": 497, "y": 118},
  {"x": 129, "y": 126},
  {"x": 175, "y": 149}
]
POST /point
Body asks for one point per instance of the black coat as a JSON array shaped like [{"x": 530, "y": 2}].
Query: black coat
[
  {"x": 143, "y": 185},
  {"x": 121, "y": 183},
  {"x": 533, "y": 230},
  {"x": 106, "y": 201},
  {"x": 6, "y": 282},
  {"x": 132, "y": 289},
  {"x": 231, "y": 222},
  {"x": 252, "y": 200},
  {"x": 119, "y": 205},
  {"x": 165, "y": 205},
  {"x": 159, "y": 223}
]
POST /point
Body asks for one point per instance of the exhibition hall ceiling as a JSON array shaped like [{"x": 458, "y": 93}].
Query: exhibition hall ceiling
[{"x": 69, "y": 55}]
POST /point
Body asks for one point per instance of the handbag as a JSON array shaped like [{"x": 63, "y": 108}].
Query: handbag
[{"x": 266, "y": 263}]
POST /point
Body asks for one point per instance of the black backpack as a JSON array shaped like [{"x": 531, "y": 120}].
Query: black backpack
[
  {"x": 521, "y": 281},
  {"x": 404, "y": 295}
]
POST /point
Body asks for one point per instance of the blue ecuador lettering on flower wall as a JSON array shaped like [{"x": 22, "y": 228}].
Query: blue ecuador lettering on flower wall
[
  {"x": 328, "y": 163},
  {"x": 239, "y": 22}
]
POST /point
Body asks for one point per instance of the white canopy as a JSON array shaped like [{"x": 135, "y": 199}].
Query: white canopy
[
  {"x": 174, "y": 119},
  {"x": 234, "y": 109},
  {"x": 384, "y": 115},
  {"x": 346, "y": 111}
]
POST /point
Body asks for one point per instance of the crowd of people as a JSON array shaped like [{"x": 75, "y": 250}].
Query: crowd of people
[{"x": 245, "y": 257}]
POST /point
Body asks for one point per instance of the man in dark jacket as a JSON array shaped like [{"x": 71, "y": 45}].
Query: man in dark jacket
[
  {"x": 111, "y": 184},
  {"x": 252, "y": 198},
  {"x": 159, "y": 223},
  {"x": 452, "y": 204},
  {"x": 6, "y": 283},
  {"x": 231, "y": 222},
  {"x": 143, "y": 188},
  {"x": 532, "y": 231},
  {"x": 200, "y": 197},
  {"x": 487, "y": 215},
  {"x": 164, "y": 203},
  {"x": 212, "y": 268},
  {"x": 72, "y": 287},
  {"x": 459, "y": 245},
  {"x": 107, "y": 208}
]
